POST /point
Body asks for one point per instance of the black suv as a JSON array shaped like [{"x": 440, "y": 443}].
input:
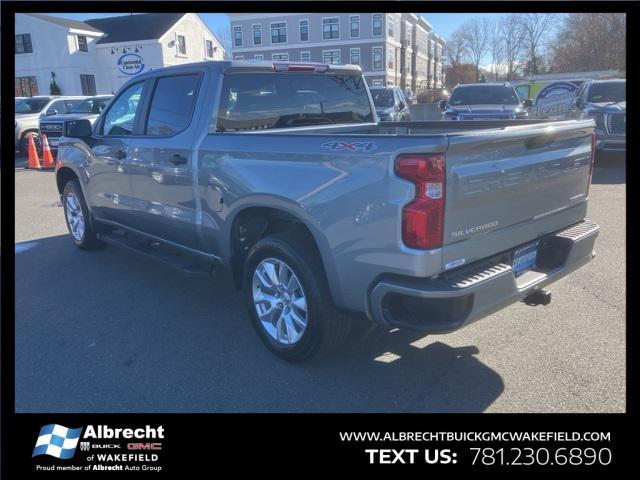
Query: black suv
[{"x": 606, "y": 102}]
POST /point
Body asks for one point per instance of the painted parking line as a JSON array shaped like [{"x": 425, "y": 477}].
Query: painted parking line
[{"x": 24, "y": 246}]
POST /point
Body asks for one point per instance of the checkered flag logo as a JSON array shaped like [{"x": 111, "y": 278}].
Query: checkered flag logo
[{"x": 57, "y": 441}]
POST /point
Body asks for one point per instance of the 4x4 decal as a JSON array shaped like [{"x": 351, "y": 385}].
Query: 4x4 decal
[{"x": 351, "y": 147}]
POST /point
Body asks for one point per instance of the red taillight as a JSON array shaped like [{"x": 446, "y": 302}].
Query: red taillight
[
  {"x": 423, "y": 217},
  {"x": 593, "y": 158}
]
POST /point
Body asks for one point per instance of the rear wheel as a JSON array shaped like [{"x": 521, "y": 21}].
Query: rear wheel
[
  {"x": 288, "y": 298},
  {"x": 76, "y": 214}
]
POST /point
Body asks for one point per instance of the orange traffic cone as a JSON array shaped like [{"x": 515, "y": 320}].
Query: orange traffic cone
[
  {"x": 33, "y": 162},
  {"x": 47, "y": 158}
]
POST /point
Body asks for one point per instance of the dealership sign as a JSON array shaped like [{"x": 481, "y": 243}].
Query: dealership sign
[
  {"x": 555, "y": 99},
  {"x": 130, "y": 64}
]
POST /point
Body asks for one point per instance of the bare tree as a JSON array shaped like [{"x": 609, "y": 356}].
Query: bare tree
[
  {"x": 535, "y": 30},
  {"x": 476, "y": 35},
  {"x": 455, "y": 49},
  {"x": 590, "y": 41},
  {"x": 496, "y": 50},
  {"x": 513, "y": 44},
  {"x": 224, "y": 36}
]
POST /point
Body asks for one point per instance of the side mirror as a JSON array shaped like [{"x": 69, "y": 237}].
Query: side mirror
[
  {"x": 527, "y": 102},
  {"x": 579, "y": 103},
  {"x": 51, "y": 111},
  {"x": 401, "y": 106},
  {"x": 442, "y": 104},
  {"x": 79, "y": 129}
]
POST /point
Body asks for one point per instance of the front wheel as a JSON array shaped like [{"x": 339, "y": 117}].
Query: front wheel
[
  {"x": 77, "y": 217},
  {"x": 288, "y": 298}
]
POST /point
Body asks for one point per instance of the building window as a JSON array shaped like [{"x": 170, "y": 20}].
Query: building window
[
  {"x": 88, "y": 84},
  {"x": 280, "y": 56},
  {"x": 378, "y": 63},
  {"x": 23, "y": 43},
  {"x": 305, "y": 56},
  {"x": 408, "y": 33},
  {"x": 354, "y": 26},
  {"x": 182, "y": 45},
  {"x": 376, "y": 25},
  {"x": 331, "y": 56},
  {"x": 391, "y": 24},
  {"x": 279, "y": 32},
  {"x": 391, "y": 58},
  {"x": 304, "y": 30},
  {"x": 26, "y": 86},
  {"x": 239, "y": 57},
  {"x": 330, "y": 28},
  {"x": 258, "y": 57},
  {"x": 237, "y": 36},
  {"x": 208, "y": 46},
  {"x": 354, "y": 56},
  {"x": 83, "y": 46},
  {"x": 257, "y": 34}
]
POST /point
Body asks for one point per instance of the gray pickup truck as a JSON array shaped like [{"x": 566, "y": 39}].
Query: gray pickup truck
[{"x": 282, "y": 173}]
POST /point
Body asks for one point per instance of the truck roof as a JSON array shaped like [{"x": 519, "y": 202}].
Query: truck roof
[{"x": 259, "y": 66}]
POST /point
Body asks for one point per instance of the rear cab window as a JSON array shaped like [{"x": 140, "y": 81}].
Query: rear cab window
[{"x": 260, "y": 101}]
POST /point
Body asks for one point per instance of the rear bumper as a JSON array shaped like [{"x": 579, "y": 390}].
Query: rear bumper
[{"x": 470, "y": 293}]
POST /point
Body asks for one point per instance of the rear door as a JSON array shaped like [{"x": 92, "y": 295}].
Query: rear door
[
  {"x": 506, "y": 187},
  {"x": 161, "y": 159}
]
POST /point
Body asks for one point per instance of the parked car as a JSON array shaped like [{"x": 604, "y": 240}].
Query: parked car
[
  {"x": 410, "y": 97},
  {"x": 28, "y": 112},
  {"x": 53, "y": 126},
  {"x": 390, "y": 104},
  {"x": 606, "y": 102},
  {"x": 319, "y": 211},
  {"x": 484, "y": 101}
]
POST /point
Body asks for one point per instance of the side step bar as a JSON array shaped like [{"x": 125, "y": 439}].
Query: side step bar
[{"x": 168, "y": 255}]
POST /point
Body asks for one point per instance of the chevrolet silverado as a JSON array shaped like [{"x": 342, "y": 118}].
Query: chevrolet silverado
[{"x": 282, "y": 173}]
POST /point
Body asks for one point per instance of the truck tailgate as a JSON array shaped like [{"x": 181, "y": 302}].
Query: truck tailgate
[{"x": 510, "y": 186}]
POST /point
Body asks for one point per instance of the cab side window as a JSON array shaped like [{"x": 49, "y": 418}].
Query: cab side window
[
  {"x": 123, "y": 112},
  {"x": 172, "y": 104}
]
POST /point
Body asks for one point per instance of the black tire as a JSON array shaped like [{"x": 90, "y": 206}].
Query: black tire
[
  {"x": 89, "y": 239},
  {"x": 24, "y": 142},
  {"x": 326, "y": 328}
]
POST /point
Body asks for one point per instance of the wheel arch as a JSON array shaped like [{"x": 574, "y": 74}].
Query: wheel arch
[{"x": 252, "y": 222}]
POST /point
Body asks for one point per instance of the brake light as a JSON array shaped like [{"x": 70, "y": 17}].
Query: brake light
[
  {"x": 300, "y": 67},
  {"x": 593, "y": 159},
  {"x": 423, "y": 217}
]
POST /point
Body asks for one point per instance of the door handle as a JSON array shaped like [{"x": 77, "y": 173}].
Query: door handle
[{"x": 178, "y": 159}]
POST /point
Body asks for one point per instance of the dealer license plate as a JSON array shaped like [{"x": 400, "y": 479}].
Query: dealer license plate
[{"x": 524, "y": 259}]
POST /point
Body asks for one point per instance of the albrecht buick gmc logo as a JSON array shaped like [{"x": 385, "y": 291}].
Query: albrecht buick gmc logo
[{"x": 61, "y": 442}]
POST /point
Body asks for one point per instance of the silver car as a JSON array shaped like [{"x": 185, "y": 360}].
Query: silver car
[{"x": 29, "y": 111}]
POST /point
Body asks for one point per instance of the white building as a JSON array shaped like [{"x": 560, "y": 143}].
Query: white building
[{"x": 97, "y": 56}]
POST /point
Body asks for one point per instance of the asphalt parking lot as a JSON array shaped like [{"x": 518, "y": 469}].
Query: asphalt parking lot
[{"x": 109, "y": 331}]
